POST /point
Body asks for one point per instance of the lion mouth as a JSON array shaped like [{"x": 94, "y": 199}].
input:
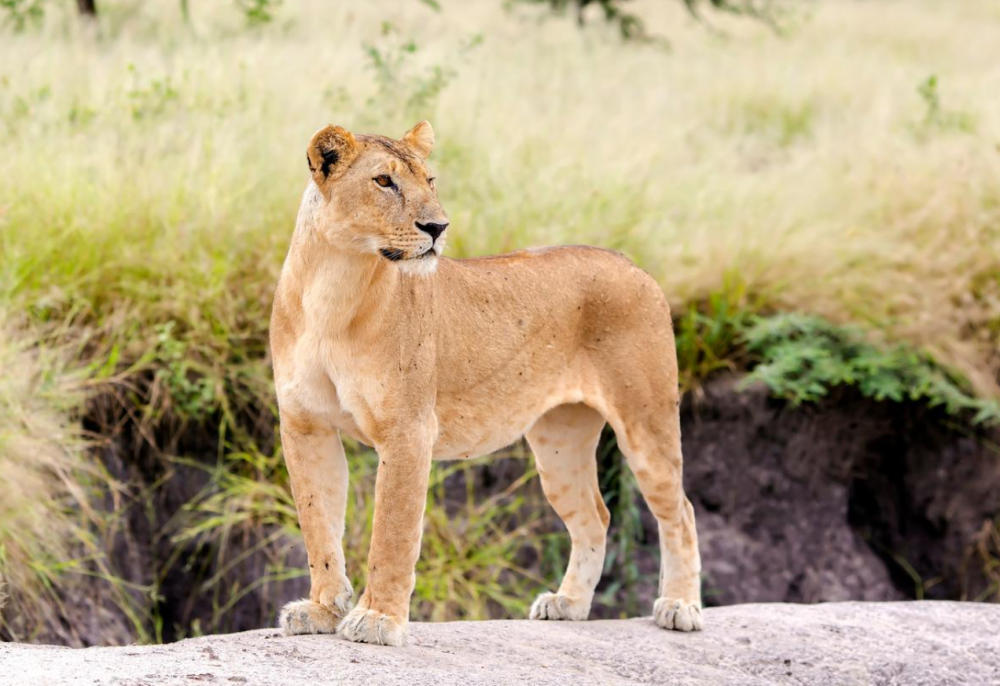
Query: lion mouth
[{"x": 394, "y": 255}]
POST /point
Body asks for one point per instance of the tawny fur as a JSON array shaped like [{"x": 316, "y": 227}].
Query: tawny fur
[{"x": 375, "y": 336}]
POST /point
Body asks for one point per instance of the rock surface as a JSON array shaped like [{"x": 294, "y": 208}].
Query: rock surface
[{"x": 933, "y": 643}]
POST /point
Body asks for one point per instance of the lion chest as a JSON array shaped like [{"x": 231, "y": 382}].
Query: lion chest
[{"x": 307, "y": 385}]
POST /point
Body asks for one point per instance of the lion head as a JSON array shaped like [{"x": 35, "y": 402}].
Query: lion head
[{"x": 377, "y": 195}]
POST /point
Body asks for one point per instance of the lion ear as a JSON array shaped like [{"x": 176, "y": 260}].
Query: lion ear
[
  {"x": 420, "y": 139},
  {"x": 330, "y": 153}
]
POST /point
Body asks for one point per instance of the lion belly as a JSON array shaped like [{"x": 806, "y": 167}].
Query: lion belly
[{"x": 475, "y": 424}]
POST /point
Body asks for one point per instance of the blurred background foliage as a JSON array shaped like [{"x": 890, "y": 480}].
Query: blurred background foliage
[{"x": 815, "y": 185}]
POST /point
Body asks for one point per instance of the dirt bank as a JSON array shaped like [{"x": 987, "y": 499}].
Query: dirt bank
[
  {"x": 937, "y": 643},
  {"x": 848, "y": 499}
]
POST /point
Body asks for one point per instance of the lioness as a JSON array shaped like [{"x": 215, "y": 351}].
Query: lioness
[{"x": 376, "y": 335}]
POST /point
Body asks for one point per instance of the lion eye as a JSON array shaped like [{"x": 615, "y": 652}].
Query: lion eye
[{"x": 383, "y": 180}]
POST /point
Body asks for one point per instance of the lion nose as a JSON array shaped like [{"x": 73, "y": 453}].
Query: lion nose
[{"x": 432, "y": 230}]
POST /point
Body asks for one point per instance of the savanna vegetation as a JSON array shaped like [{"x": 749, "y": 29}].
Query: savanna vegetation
[{"x": 817, "y": 193}]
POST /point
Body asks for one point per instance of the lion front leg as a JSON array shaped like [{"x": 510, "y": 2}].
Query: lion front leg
[
  {"x": 383, "y": 610},
  {"x": 317, "y": 468}
]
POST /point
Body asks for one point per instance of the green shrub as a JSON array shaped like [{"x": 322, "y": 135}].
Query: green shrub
[
  {"x": 257, "y": 12},
  {"x": 709, "y": 335},
  {"x": 936, "y": 116},
  {"x": 802, "y": 357}
]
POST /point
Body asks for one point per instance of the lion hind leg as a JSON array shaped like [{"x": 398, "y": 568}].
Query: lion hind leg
[
  {"x": 651, "y": 442},
  {"x": 564, "y": 442}
]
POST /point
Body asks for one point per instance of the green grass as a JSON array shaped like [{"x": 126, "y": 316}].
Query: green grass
[{"x": 470, "y": 565}]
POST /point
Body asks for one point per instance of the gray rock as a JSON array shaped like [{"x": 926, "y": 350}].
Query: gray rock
[{"x": 914, "y": 643}]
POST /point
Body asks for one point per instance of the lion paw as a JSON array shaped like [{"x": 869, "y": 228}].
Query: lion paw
[
  {"x": 370, "y": 626},
  {"x": 310, "y": 617},
  {"x": 681, "y": 615},
  {"x": 307, "y": 617},
  {"x": 557, "y": 606}
]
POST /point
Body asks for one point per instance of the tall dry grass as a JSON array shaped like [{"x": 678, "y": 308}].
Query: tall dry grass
[
  {"x": 151, "y": 171},
  {"x": 49, "y": 537}
]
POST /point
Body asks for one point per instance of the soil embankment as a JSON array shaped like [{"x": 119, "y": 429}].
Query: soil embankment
[{"x": 847, "y": 499}]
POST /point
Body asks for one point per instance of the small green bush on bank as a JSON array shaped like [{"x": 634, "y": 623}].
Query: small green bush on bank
[{"x": 801, "y": 358}]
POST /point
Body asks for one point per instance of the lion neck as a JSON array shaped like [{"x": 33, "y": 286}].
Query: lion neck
[{"x": 348, "y": 293}]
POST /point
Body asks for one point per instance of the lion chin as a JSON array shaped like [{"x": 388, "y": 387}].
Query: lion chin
[{"x": 425, "y": 265}]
